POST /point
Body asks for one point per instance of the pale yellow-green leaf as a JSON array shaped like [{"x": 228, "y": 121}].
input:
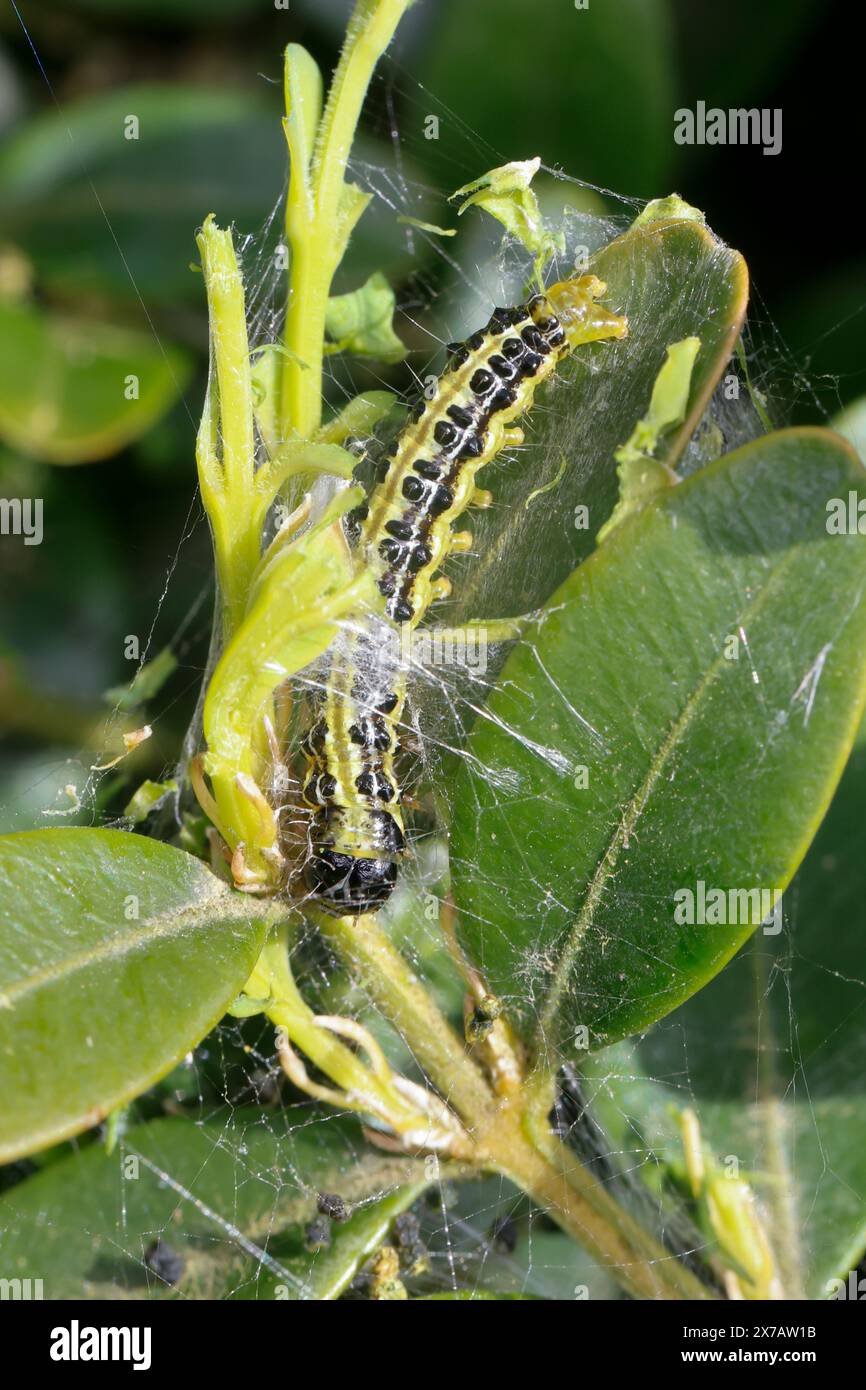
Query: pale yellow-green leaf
[{"x": 361, "y": 322}]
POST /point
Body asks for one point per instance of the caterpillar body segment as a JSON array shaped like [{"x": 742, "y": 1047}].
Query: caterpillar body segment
[
  {"x": 490, "y": 381},
  {"x": 403, "y": 535},
  {"x": 357, "y": 833}
]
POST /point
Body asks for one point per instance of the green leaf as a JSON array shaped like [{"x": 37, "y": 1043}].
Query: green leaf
[
  {"x": 674, "y": 280},
  {"x": 145, "y": 684},
  {"x": 598, "y": 82},
  {"x": 117, "y": 955},
  {"x": 851, "y": 424},
  {"x": 673, "y": 208},
  {"x": 129, "y": 207},
  {"x": 196, "y": 150},
  {"x": 72, "y": 391},
  {"x": 640, "y": 475},
  {"x": 302, "y": 86},
  {"x": 506, "y": 194},
  {"x": 681, "y": 716},
  {"x": 147, "y": 796},
  {"x": 362, "y": 322},
  {"x": 231, "y": 1196},
  {"x": 773, "y": 1056}
]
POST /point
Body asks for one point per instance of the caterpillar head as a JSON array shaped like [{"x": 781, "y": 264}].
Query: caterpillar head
[
  {"x": 583, "y": 319},
  {"x": 347, "y": 886}
]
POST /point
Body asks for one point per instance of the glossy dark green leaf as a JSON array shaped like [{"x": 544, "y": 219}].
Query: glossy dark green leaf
[
  {"x": 680, "y": 716},
  {"x": 773, "y": 1057},
  {"x": 230, "y": 1197},
  {"x": 673, "y": 279},
  {"x": 594, "y": 86},
  {"x": 117, "y": 954},
  {"x": 72, "y": 390}
]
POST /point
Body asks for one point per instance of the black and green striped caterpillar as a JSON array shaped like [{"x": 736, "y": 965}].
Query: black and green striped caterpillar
[{"x": 403, "y": 534}]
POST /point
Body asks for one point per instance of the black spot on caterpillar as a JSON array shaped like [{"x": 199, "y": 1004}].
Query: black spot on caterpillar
[{"x": 404, "y": 534}]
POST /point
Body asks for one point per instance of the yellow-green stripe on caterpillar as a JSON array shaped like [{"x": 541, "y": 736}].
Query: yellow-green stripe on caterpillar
[{"x": 403, "y": 535}]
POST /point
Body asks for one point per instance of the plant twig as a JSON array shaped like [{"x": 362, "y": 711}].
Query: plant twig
[
  {"x": 322, "y": 209},
  {"x": 511, "y": 1134}
]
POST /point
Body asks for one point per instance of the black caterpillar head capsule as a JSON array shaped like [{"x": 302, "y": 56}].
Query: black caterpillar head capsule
[{"x": 347, "y": 886}]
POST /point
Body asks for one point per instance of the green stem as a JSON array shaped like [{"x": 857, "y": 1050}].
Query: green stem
[
  {"x": 396, "y": 990},
  {"x": 272, "y": 980},
  {"x": 317, "y": 227},
  {"x": 523, "y": 1148},
  {"x": 511, "y": 1135}
]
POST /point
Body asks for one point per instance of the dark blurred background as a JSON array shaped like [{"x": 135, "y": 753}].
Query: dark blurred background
[{"x": 124, "y": 122}]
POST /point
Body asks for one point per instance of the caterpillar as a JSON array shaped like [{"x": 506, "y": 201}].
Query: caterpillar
[{"x": 404, "y": 533}]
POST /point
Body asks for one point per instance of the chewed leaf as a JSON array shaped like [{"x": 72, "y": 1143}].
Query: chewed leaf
[
  {"x": 640, "y": 475},
  {"x": 673, "y": 280},
  {"x": 674, "y": 732},
  {"x": 668, "y": 402},
  {"x": 430, "y": 227},
  {"x": 362, "y": 322},
  {"x": 117, "y": 955},
  {"x": 670, "y": 209},
  {"x": 505, "y": 193}
]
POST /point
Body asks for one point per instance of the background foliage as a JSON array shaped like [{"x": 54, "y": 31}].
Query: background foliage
[
  {"x": 96, "y": 241},
  {"x": 98, "y": 230}
]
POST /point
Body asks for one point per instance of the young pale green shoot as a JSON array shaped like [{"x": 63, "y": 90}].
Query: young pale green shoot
[
  {"x": 506, "y": 194},
  {"x": 640, "y": 475}
]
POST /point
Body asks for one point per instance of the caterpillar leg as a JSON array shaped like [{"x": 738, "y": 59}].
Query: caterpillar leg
[
  {"x": 460, "y": 543},
  {"x": 440, "y": 588}
]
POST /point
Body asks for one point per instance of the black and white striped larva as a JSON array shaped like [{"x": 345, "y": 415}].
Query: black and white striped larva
[{"x": 405, "y": 533}]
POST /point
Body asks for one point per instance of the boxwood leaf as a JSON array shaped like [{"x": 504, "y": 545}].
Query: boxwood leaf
[
  {"x": 73, "y": 390},
  {"x": 117, "y": 954},
  {"x": 771, "y": 1055},
  {"x": 674, "y": 280},
  {"x": 679, "y": 718},
  {"x": 230, "y": 1198}
]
